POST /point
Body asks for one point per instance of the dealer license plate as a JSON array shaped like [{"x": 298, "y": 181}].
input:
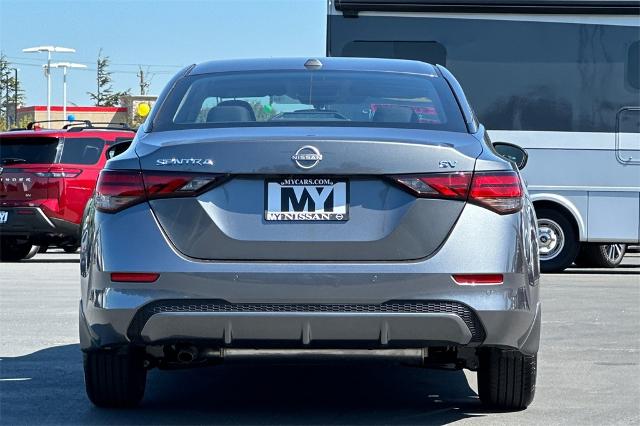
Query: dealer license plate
[{"x": 306, "y": 199}]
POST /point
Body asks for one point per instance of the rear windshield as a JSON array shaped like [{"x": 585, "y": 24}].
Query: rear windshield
[
  {"x": 29, "y": 150},
  {"x": 303, "y": 98}
]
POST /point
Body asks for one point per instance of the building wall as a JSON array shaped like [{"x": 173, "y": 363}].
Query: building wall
[{"x": 110, "y": 115}]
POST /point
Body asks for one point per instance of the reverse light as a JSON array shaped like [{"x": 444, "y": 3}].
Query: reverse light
[
  {"x": 117, "y": 189},
  {"x": 134, "y": 277},
  {"x": 478, "y": 279}
]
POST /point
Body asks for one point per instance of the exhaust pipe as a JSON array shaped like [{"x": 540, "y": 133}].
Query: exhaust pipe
[{"x": 187, "y": 354}]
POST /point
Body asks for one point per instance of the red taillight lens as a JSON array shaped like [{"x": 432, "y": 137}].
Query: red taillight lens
[
  {"x": 438, "y": 185},
  {"x": 499, "y": 191},
  {"x": 134, "y": 277},
  {"x": 478, "y": 279},
  {"x": 116, "y": 190}
]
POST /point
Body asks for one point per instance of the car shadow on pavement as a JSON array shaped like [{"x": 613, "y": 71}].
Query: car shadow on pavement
[
  {"x": 41, "y": 259},
  {"x": 47, "y": 387}
]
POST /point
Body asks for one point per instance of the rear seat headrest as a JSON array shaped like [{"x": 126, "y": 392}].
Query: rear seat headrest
[
  {"x": 395, "y": 114},
  {"x": 229, "y": 113}
]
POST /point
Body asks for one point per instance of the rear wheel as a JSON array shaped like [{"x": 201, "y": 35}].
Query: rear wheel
[
  {"x": 506, "y": 378},
  {"x": 72, "y": 248},
  {"x": 557, "y": 240},
  {"x": 13, "y": 250},
  {"x": 114, "y": 379},
  {"x": 601, "y": 255}
]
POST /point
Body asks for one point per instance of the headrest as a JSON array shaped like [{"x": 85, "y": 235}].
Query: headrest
[
  {"x": 226, "y": 114},
  {"x": 395, "y": 114},
  {"x": 244, "y": 104}
]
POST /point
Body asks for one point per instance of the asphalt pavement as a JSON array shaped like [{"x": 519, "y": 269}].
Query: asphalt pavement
[{"x": 589, "y": 366}]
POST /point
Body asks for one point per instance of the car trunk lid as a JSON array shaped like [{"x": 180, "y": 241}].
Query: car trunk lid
[{"x": 373, "y": 217}]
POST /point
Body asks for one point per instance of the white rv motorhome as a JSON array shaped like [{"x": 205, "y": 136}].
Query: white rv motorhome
[{"x": 559, "y": 78}]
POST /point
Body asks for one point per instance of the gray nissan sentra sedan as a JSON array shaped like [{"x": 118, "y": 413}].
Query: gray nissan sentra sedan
[{"x": 311, "y": 207}]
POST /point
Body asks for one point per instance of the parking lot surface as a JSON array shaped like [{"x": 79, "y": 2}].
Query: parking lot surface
[{"x": 589, "y": 366}]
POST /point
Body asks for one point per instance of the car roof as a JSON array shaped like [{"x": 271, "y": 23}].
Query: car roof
[
  {"x": 340, "y": 64},
  {"x": 66, "y": 133}
]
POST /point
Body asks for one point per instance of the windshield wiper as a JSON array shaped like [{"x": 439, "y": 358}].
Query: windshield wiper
[{"x": 10, "y": 160}]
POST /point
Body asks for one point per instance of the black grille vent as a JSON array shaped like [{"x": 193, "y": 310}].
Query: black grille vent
[{"x": 464, "y": 312}]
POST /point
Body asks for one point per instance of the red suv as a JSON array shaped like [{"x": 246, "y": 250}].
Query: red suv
[{"x": 46, "y": 178}]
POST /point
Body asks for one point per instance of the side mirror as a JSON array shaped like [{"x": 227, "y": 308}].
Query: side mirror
[
  {"x": 117, "y": 149},
  {"x": 512, "y": 153}
]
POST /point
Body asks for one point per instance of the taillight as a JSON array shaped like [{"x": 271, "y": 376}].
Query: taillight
[
  {"x": 57, "y": 172},
  {"x": 438, "y": 185},
  {"x": 117, "y": 189},
  {"x": 500, "y": 191}
]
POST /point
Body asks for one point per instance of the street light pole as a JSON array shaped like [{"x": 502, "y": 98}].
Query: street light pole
[
  {"x": 48, "y": 72},
  {"x": 64, "y": 93},
  {"x": 48, "y": 49},
  {"x": 15, "y": 96},
  {"x": 64, "y": 66},
  {"x": 6, "y": 102}
]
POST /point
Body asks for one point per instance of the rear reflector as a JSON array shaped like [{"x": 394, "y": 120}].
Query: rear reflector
[
  {"x": 134, "y": 277},
  {"x": 500, "y": 191},
  {"x": 478, "y": 279},
  {"x": 117, "y": 189}
]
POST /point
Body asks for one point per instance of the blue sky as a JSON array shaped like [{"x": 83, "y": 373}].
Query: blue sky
[{"x": 160, "y": 35}]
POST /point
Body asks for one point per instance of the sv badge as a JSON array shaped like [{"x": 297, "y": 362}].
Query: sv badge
[{"x": 447, "y": 164}]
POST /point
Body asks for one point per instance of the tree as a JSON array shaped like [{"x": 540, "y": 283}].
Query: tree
[
  {"x": 11, "y": 91},
  {"x": 105, "y": 96}
]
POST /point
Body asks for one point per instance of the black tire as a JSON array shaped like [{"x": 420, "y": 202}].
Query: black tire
[
  {"x": 506, "y": 379},
  {"x": 70, "y": 249},
  {"x": 114, "y": 380},
  {"x": 13, "y": 250},
  {"x": 562, "y": 257},
  {"x": 601, "y": 255}
]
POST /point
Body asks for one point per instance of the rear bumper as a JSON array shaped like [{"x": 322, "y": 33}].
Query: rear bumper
[
  {"x": 31, "y": 222},
  {"x": 393, "y": 324},
  {"x": 401, "y": 324},
  {"x": 308, "y": 304}
]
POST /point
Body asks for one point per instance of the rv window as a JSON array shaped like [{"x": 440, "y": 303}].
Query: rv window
[
  {"x": 425, "y": 51},
  {"x": 633, "y": 65}
]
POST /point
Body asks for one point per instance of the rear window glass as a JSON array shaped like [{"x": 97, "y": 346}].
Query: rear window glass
[
  {"x": 303, "y": 98},
  {"x": 633, "y": 65},
  {"x": 82, "y": 150},
  {"x": 27, "y": 150}
]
